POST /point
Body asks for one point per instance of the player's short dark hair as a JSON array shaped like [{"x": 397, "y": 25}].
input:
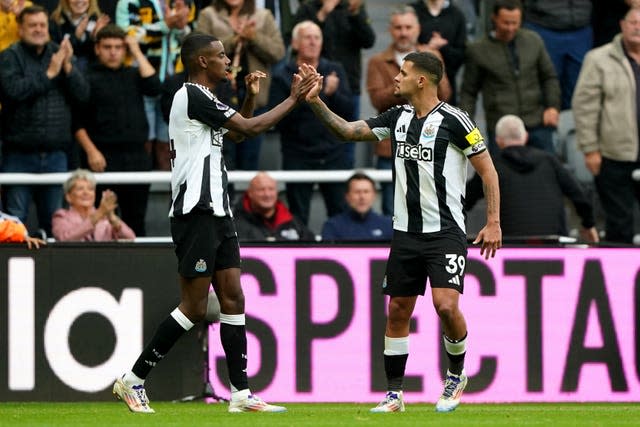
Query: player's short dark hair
[
  {"x": 30, "y": 10},
  {"x": 110, "y": 31},
  {"x": 192, "y": 45},
  {"x": 359, "y": 176},
  {"x": 429, "y": 63},
  {"x": 506, "y": 4}
]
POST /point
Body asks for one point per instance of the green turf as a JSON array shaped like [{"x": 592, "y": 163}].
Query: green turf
[{"x": 331, "y": 415}]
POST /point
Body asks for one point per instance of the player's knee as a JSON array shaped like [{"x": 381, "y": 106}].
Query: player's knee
[
  {"x": 194, "y": 312},
  {"x": 446, "y": 310},
  {"x": 232, "y": 303},
  {"x": 399, "y": 313}
]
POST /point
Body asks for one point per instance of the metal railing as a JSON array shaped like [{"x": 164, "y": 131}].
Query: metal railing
[{"x": 156, "y": 177}]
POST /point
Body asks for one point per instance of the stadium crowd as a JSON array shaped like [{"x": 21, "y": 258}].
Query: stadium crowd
[{"x": 83, "y": 84}]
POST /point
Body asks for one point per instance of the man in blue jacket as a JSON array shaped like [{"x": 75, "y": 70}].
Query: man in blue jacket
[{"x": 359, "y": 221}]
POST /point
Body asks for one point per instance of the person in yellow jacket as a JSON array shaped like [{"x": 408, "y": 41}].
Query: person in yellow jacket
[
  {"x": 12, "y": 230},
  {"x": 9, "y": 10}
]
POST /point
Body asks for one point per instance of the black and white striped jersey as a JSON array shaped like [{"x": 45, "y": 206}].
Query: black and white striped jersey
[
  {"x": 198, "y": 175},
  {"x": 430, "y": 164}
]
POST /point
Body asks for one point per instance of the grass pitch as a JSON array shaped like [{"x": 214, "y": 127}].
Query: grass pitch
[{"x": 331, "y": 415}]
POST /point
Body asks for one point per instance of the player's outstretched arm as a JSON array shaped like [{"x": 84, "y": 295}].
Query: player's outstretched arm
[
  {"x": 255, "y": 125},
  {"x": 490, "y": 237},
  {"x": 347, "y": 131}
]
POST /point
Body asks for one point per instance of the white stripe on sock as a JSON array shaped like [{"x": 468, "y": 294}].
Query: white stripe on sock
[
  {"x": 455, "y": 348},
  {"x": 181, "y": 319},
  {"x": 396, "y": 346},
  {"x": 232, "y": 319}
]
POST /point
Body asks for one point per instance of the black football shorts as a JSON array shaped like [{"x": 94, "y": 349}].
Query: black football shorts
[
  {"x": 204, "y": 244},
  {"x": 440, "y": 257}
]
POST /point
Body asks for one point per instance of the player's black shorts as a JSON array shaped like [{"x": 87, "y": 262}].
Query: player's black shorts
[
  {"x": 204, "y": 243},
  {"x": 441, "y": 257}
]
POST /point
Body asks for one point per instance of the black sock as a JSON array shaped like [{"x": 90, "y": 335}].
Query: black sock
[
  {"x": 456, "y": 350},
  {"x": 166, "y": 335},
  {"x": 394, "y": 368},
  {"x": 234, "y": 342},
  {"x": 456, "y": 363}
]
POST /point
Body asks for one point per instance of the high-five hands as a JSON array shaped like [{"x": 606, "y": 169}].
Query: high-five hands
[
  {"x": 309, "y": 74},
  {"x": 304, "y": 82}
]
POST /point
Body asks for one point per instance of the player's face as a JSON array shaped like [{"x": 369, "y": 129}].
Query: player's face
[
  {"x": 361, "y": 195},
  {"x": 34, "y": 29},
  {"x": 217, "y": 63},
  {"x": 406, "y": 80},
  {"x": 404, "y": 30},
  {"x": 111, "y": 52},
  {"x": 82, "y": 195},
  {"x": 507, "y": 23}
]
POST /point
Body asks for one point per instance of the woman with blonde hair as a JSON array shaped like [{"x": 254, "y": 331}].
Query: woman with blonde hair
[
  {"x": 82, "y": 221},
  {"x": 80, "y": 20}
]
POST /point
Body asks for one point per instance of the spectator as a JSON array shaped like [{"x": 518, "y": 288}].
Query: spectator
[
  {"x": 346, "y": 30},
  {"x": 443, "y": 28},
  {"x": 9, "y": 11},
  {"x": 565, "y": 28},
  {"x": 49, "y": 5},
  {"x": 12, "y": 230},
  {"x": 359, "y": 221},
  {"x": 80, "y": 20},
  {"x": 381, "y": 70},
  {"x": 533, "y": 184},
  {"x": 160, "y": 27},
  {"x": 82, "y": 221},
  {"x": 281, "y": 11},
  {"x": 306, "y": 144},
  {"x": 252, "y": 40},
  {"x": 260, "y": 216},
  {"x": 606, "y": 16},
  {"x": 512, "y": 69},
  {"x": 605, "y": 107},
  {"x": 38, "y": 84},
  {"x": 108, "y": 7},
  {"x": 112, "y": 127}
]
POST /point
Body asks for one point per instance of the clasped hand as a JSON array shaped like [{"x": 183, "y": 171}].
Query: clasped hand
[{"x": 307, "y": 83}]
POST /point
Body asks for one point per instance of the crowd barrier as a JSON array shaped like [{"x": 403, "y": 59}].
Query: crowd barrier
[
  {"x": 545, "y": 324},
  {"x": 157, "y": 177}
]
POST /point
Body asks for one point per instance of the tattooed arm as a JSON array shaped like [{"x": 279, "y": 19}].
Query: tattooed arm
[{"x": 344, "y": 130}]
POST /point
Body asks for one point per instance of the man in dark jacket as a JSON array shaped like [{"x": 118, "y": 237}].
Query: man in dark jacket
[
  {"x": 512, "y": 69},
  {"x": 260, "y": 216},
  {"x": 443, "y": 28},
  {"x": 306, "y": 143},
  {"x": 533, "y": 185},
  {"x": 112, "y": 126},
  {"x": 359, "y": 221},
  {"x": 38, "y": 86}
]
